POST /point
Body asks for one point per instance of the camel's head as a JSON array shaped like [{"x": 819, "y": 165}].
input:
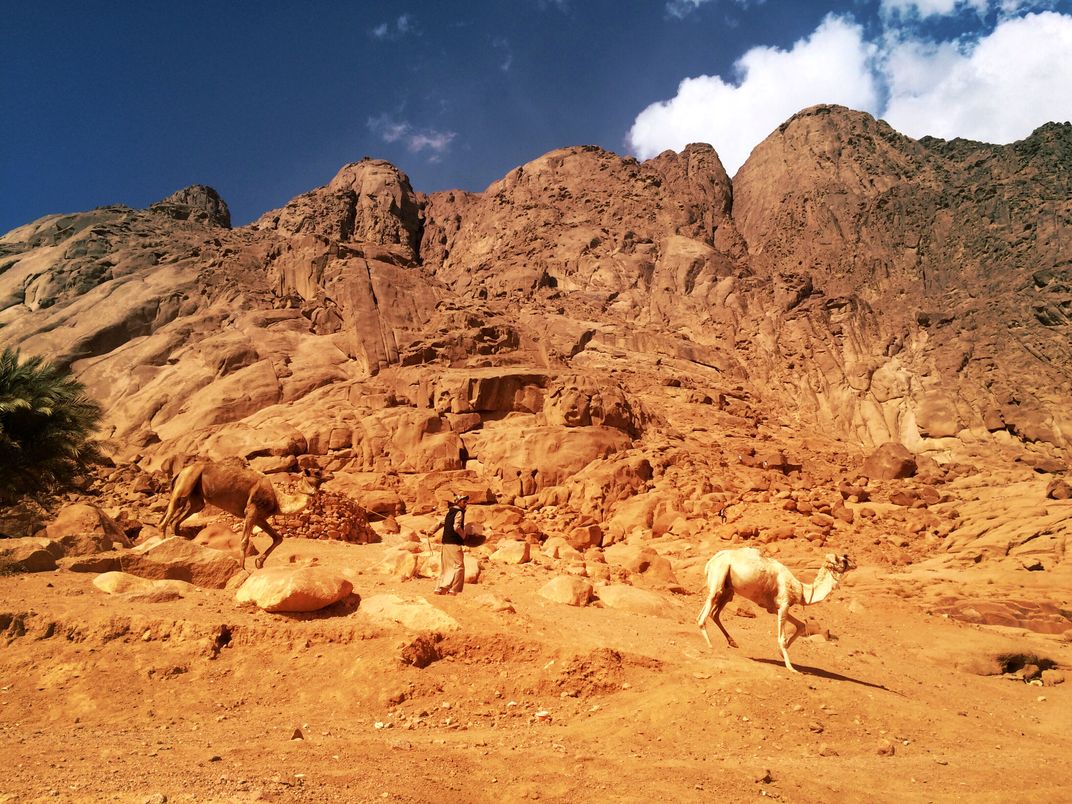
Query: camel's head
[
  {"x": 839, "y": 564},
  {"x": 313, "y": 477}
]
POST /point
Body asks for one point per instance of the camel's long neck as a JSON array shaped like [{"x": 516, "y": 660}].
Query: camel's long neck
[{"x": 818, "y": 589}]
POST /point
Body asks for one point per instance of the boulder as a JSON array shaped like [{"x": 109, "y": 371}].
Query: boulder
[
  {"x": 84, "y": 530},
  {"x": 400, "y": 563},
  {"x": 176, "y": 558},
  {"x": 102, "y": 562},
  {"x": 220, "y": 537},
  {"x": 22, "y": 518},
  {"x": 891, "y": 461},
  {"x": 629, "y": 598},
  {"x": 636, "y": 512},
  {"x": 567, "y": 589},
  {"x": 1051, "y": 677},
  {"x": 843, "y": 513},
  {"x": 122, "y": 583},
  {"x": 906, "y": 498},
  {"x": 28, "y": 554},
  {"x": 472, "y": 568},
  {"x": 602, "y": 485},
  {"x": 770, "y": 459},
  {"x": 585, "y": 536},
  {"x": 558, "y": 547},
  {"x": 290, "y": 589},
  {"x": 494, "y": 521},
  {"x": 382, "y": 502},
  {"x": 512, "y": 552},
  {"x": 494, "y": 603},
  {"x": 411, "y": 614},
  {"x": 1058, "y": 489},
  {"x": 642, "y": 561}
]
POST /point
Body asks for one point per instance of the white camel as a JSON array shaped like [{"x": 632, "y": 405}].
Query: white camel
[
  {"x": 239, "y": 491},
  {"x": 770, "y": 585}
]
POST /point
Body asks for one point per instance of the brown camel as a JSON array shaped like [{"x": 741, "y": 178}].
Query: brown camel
[{"x": 241, "y": 492}]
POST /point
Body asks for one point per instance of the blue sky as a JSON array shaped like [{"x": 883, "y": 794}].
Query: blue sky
[{"x": 124, "y": 102}]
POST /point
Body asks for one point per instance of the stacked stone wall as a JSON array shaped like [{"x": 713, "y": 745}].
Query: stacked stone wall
[{"x": 329, "y": 516}]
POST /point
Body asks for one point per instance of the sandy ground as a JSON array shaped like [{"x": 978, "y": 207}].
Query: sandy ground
[{"x": 197, "y": 699}]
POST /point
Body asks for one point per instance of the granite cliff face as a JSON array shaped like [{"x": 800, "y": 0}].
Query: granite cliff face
[
  {"x": 935, "y": 274},
  {"x": 646, "y": 335}
]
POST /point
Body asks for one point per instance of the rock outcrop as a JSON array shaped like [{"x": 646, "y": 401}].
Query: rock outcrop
[{"x": 642, "y": 348}]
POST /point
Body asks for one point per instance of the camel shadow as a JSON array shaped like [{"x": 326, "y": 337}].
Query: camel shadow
[{"x": 817, "y": 671}]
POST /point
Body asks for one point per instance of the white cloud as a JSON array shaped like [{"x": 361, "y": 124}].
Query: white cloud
[
  {"x": 416, "y": 140},
  {"x": 997, "y": 90},
  {"x": 900, "y": 11},
  {"x": 682, "y": 8},
  {"x": 930, "y": 8},
  {"x": 503, "y": 46},
  {"x": 997, "y": 86},
  {"x": 830, "y": 66},
  {"x": 395, "y": 29}
]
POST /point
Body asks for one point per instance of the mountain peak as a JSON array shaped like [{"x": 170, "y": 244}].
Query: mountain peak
[{"x": 198, "y": 202}]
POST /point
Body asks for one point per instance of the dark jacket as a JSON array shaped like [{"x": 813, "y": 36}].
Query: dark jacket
[{"x": 453, "y": 526}]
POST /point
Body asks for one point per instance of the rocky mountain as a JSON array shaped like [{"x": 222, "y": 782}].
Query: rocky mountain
[
  {"x": 860, "y": 345},
  {"x": 656, "y": 341}
]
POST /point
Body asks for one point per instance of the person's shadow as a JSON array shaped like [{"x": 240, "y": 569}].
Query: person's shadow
[{"x": 817, "y": 671}]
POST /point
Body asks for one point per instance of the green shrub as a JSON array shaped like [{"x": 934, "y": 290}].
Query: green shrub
[{"x": 46, "y": 420}]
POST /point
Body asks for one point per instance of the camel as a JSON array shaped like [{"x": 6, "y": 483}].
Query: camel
[
  {"x": 241, "y": 492},
  {"x": 770, "y": 585}
]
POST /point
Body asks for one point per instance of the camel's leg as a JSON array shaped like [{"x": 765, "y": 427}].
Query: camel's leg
[
  {"x": 718, "y": 595},
  {"x": 276, "y": 541},
  {"x": 247, "y": 531},
  {"x": 186, "y": 499},
  {"x": 798, "y": 629},
  {"x": 187, "y": 508},
  {"x": 701, "y": 621},
  {"x": 783, "y": 612},
  {"x": 723, "y": 599}
]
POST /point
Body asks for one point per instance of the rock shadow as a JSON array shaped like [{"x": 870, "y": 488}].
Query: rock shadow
[{"x": 344, "y": 608}]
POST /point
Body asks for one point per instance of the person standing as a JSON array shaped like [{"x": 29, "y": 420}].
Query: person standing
[{"x": 452, "y": 577}]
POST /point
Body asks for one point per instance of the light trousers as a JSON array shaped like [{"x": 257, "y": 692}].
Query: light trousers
[{"x": 452, "y": 578}]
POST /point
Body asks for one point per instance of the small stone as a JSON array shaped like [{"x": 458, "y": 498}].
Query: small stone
[
  {"x": 1051, "y": 678},
  {"x": 886, "y": 749},
  {"x": 297, "y": 735},
  {"x": 764, "y": 777},
  {"x": 215, "y": 758},
  {"x": 827, "y": 750}
]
